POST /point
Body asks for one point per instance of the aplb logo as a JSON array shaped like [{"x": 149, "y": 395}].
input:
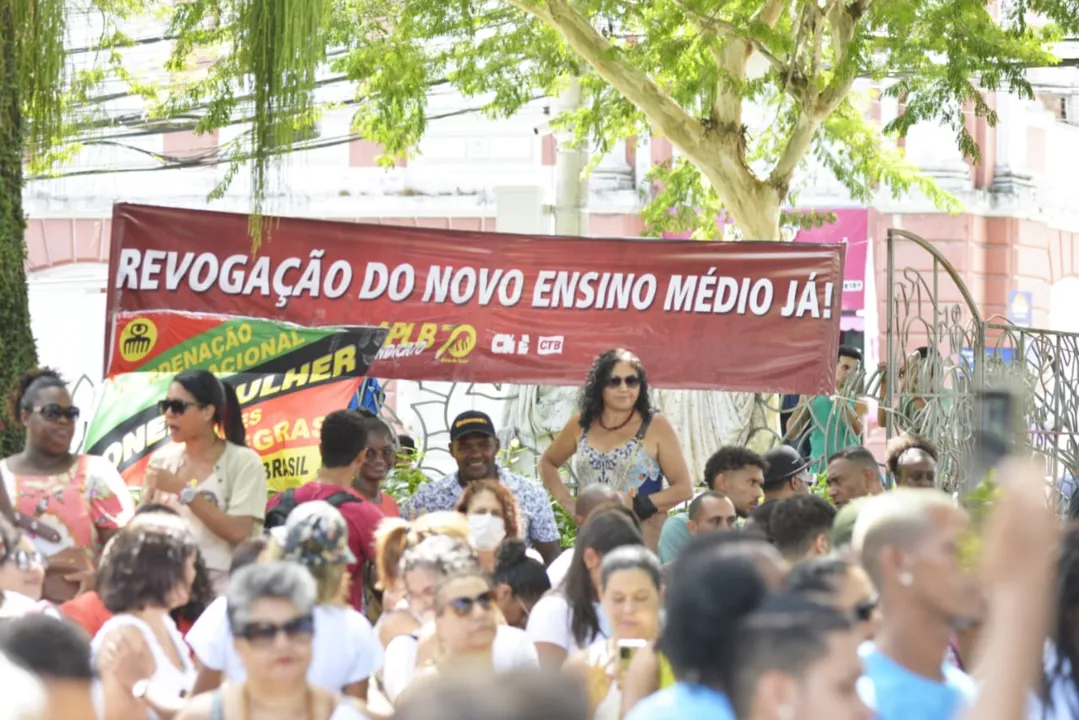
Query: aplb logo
[
  {"x": 458, "y": 346},
  {"x": 138, "y": 339}
]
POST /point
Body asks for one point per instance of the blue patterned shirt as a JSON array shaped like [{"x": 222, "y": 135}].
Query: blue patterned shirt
[{"x": 534, "y": 505}]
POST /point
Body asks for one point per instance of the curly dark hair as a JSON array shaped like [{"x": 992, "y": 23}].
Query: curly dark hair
[
  {"x": 202, "y": 589},
  {"x": 590, "y": 400},
  {"x": 905, "y": 442},
  {"x": 142, "y": 566},
  {"x": 202, "y": 593},
  {"x": 21, "y": 397},
  {"x": 728, "y": 458}
]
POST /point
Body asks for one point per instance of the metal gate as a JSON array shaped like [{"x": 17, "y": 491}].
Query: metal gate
[{"x": 964, "y": 352}]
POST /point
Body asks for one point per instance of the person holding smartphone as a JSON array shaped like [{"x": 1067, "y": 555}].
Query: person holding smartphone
[{"x": 631, "y": 582}]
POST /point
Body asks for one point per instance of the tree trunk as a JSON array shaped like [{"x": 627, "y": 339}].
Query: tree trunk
[
  {"x": 754, "y": 205},
  {"x": 17, "y": 350}
]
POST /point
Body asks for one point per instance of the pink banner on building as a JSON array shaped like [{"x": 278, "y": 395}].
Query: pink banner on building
[{"x": 851, "y": 227}]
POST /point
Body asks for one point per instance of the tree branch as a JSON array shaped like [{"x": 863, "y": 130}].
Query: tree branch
[
  {"x": 636, "y": 86},
  {"x": 841, "y": 21},
  {"x": 723, "y": 28},
  {"x": 797, "y": 144}
]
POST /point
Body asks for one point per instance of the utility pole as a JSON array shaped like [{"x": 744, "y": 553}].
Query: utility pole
[{"x": 571, "y": 188}]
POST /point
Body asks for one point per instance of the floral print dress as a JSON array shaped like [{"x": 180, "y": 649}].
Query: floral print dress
[{"x": 76, "y": 505}]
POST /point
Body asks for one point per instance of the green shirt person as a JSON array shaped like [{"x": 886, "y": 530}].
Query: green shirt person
[{"x": 833, "y": 422}]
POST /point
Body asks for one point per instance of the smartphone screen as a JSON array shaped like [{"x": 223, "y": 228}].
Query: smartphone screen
[
  {"x": 997, "y": 426},
  {"x": 627, "y": 649}
]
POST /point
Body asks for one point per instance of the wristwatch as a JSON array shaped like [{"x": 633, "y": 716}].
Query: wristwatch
[
  {"x": 139, "y": 689},
  {"x": 188, "y": 495}
]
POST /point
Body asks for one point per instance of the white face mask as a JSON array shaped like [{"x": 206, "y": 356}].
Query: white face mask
[{"x": 487, "y": 531}]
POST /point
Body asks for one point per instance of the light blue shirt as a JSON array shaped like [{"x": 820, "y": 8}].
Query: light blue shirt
[
  {"x": 673, "y": 537},
  {"x": 683, "y": 701},
  {"x": 895, "y": 693}
]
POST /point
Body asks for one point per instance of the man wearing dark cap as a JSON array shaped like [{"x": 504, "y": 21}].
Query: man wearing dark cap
[
  {"x": 787, "y": 474},
  {"x": 474, "y": 445}
]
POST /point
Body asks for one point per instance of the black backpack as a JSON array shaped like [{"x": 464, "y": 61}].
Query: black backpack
[{"x": 286, "y": 503}]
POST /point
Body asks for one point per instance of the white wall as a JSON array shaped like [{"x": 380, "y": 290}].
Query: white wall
[{"x": 67, "y": 310}]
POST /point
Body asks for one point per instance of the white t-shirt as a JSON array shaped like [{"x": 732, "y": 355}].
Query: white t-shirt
[
  {"x": 237, "y": 486},
  {"x": 512, "y": 649},
  {"x": 345, "y": 649},
  {"x": 550, "y": 622},
  {"x": 556, "y": 571},
  {"x": 168, "y": 678},
  {"x": 14, "y": 605}
]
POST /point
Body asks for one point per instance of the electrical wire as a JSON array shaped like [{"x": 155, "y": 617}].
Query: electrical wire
[{"x": 214, "y": 157}]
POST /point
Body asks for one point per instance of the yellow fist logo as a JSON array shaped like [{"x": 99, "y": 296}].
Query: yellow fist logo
[
  {"x": 458, "y": 346},
  {"x": 138, "y": 339}
]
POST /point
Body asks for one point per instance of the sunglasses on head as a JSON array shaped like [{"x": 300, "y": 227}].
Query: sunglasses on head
[
  {"x": 863, "y": 611},
  {"x": 54, "y": 412},
  {"x": 463, "y": 606},
  {"x": 264, "y": 633},
  {"x": 631, "y": 381},
  {"x": 176, "y": 407}
]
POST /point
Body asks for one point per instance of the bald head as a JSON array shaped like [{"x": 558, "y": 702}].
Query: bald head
[
  {"x": 901, "y": 519},
  {"x": 591, "y": 498}
]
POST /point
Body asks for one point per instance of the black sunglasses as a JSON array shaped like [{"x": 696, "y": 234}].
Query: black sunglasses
[
  {"x": 463, "y": 606},
  {"x": 176, "y": 407},
  {"x": 863, "y": 611},
  {"x": 388, "y": 453},
  {"x": 264, "y": 633},
  {"x": 54, "y": 412},
  {"x": 631, "y": 382},
  {"x": 26, "y": 560}
]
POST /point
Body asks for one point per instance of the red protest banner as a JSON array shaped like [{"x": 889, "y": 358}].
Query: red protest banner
[{"x": 485, "y": 307}]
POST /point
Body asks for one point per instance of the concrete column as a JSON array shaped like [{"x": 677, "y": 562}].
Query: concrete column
[
  {"x": 520, "y": 209},
  {"x": 613, "y": 172},
  {"x": 932, "y": 147},
  {"x": 571, "y": 189},
  {"x": 1011, "y": 175}
]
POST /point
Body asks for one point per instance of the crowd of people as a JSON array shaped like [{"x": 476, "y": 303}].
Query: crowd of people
[{"x": 831, "y": 587}]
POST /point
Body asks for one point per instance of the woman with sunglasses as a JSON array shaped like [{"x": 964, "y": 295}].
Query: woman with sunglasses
[
  {"x": 344, "y": 651},
  {"x": 392, "y": 539},
  {"x": 380, "y": 457},
  {"x": 620, "y": 441},
  {"x": 424, "y": 568},
  {"x": 217, "y": 483},
  {"x": 22, "y": 574},
  {"x": 69, "y": 505},
  {"x": 467, "y": 628},
  {"x": 271, "y": 618}
]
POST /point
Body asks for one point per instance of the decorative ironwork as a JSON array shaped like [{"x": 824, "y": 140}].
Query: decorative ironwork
[{"x": 935, "y": 395}]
